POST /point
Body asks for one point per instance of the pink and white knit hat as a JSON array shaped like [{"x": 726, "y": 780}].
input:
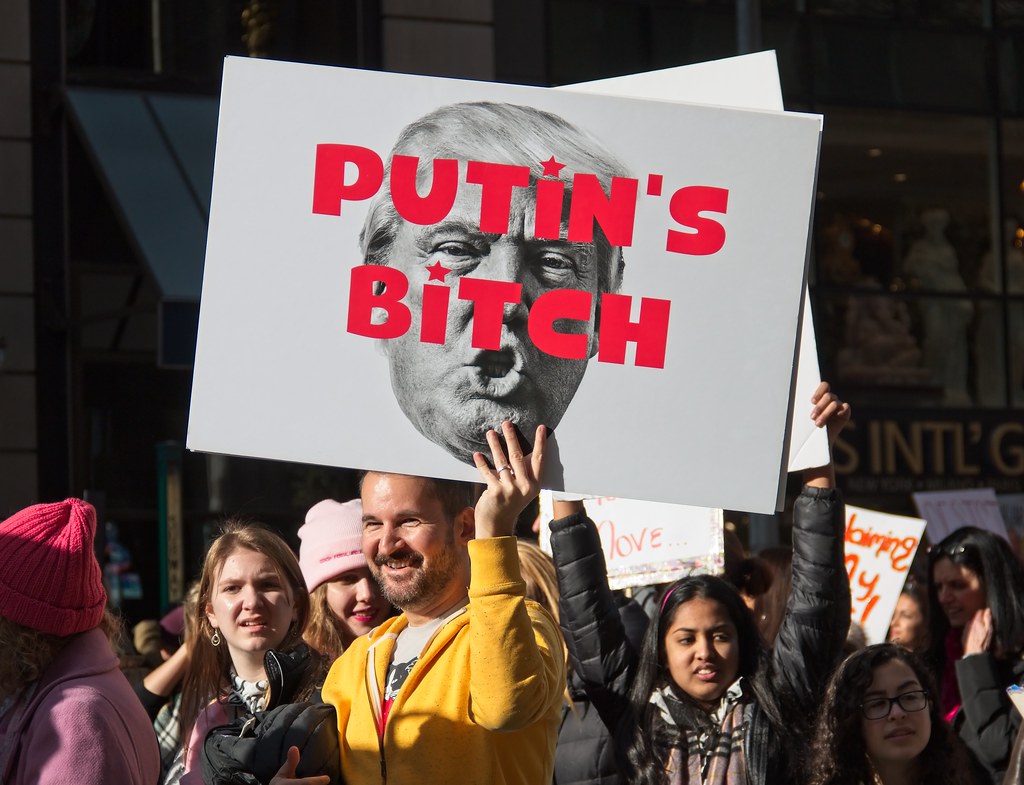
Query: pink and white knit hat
[
  {"x": 331, "y": 541},
  {"x": 49, "y": 577}
]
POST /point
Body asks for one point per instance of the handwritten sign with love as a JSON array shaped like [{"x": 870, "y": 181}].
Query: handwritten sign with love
[
  {"x": 650, "y": 542},
  {"x": 879, "y": 551}
]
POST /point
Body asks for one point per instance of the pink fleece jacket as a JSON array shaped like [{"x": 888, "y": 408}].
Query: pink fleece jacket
[{"x": 83, "y": 725}]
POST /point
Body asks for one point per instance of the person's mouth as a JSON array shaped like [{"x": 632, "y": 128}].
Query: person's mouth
[
  {"x": 900, "y": 733},
  {"x": 253, "y": 625},
  {"x": 706, "y": 673},
  {"x": 497, "y": 373},
  {"x": 396, "y": 563}
]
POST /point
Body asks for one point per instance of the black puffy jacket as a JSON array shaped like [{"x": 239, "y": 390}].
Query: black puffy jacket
[
  {"x": 808, "y": 646},
  {"x": 250, "y": 752},
  {"x": 585, "y": 754}
]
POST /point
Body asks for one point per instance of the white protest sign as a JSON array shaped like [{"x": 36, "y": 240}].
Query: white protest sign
[
  {"x": 879, "y": 551},
  {"x": 467, "y": 313},
  {"x": 1011, "y": 509},
  {"x": 752, "y": 82},
  {"x": 947, "y": 511},
  {"x": 649, "y": 542},
  {"x": 748, "y": 81}
]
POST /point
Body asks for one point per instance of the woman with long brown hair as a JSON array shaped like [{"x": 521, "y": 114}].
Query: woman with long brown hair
[{"x": 252, "y": 601}]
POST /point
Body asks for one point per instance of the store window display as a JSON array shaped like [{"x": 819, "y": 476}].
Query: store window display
[
  {"x": 932, "y": 260},
  {"x": 878, "y": 343},
  {"x": 988, "y": 338}
]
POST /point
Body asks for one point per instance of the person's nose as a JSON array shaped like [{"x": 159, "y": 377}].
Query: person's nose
[
  {"x": 945, "y": 596},
  {"x": 251, "y": 598},
  {"x": 507, "y": 262},
  {"x": 704, "y": 652},
  {"x": 896, "y": 712},
  {"x": 364, "y": 591},
  {"x": 390, "y": 540}
]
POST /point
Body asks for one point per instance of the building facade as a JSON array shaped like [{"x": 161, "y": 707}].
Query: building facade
[{"x": 917, "y": 270}]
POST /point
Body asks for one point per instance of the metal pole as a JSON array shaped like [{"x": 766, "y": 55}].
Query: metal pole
[{"x": 748, "y": 26}]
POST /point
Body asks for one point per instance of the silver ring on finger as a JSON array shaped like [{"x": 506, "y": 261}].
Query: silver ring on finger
[{"x": 511, "y": 472}]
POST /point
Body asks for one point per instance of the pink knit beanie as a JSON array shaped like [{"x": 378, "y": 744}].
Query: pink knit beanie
[
  {"x": 331, "y": 541},
  {"x": 49, "y": 577}
]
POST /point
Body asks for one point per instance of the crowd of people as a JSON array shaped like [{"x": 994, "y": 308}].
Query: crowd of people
[{"x": 414, "y": 639}]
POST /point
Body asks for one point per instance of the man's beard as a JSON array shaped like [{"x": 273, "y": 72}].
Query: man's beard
[{"x": 425, "y": 584}]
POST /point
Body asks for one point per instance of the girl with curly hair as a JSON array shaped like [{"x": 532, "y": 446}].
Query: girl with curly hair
[{"x": 880, "y": 724}]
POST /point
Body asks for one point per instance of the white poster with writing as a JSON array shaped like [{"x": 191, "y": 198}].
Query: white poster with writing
[
  {"x": 649, "y": 542},
  {"x": 748, "y": 81},
  {"x": 879, "y": 551},
  {"x": 397, "y": 263},
  {"x": 947, "y": 511},
  {"x": 1011, "y": 508}
]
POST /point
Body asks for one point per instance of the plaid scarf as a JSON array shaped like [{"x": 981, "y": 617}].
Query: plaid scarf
[
  {"x": 242, "y": 699},
  {"x": 714, "y": 755},
  {"x": 168, "y": 732}
]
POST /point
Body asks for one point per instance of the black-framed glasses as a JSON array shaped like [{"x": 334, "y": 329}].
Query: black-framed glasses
[{"x": 879, "y": 708}]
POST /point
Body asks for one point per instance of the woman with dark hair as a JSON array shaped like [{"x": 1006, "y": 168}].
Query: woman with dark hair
[
  {"x": 880, "y": 725},
  {"x": 909, "y": 625},
  {"x": 704, "y": 701},
  {"x": 977, "y": 639},
  {"x": 689, "y": 685}
]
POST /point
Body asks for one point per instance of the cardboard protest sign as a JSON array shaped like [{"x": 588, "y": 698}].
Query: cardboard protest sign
[
  {"x": 879, "y": 551},
  {"x": 749, "y": 82},
  {"x": 375, "y": 308},
  {"x": 649, "y": 542},
  {"x": 947, "y": 511}
]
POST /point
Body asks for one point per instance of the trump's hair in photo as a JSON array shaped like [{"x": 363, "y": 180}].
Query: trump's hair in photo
[{"x": 497, "y": 133}]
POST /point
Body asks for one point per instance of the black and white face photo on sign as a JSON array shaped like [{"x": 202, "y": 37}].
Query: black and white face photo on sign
[
  {"x": 414, "y": 260},
  {"x": 452, "y": 392}
]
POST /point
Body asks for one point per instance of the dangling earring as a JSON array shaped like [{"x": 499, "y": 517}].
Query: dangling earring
[{"x": 215, "y": 638}]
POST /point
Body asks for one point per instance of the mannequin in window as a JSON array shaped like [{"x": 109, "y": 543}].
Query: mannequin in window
[
  {"x": 933, "y": 261},
  {"x": 988, "y": 341},
  {"x": 878, "y": 344}
]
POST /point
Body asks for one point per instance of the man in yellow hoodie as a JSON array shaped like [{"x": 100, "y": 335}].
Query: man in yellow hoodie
[{"x": 465, "y": 685}]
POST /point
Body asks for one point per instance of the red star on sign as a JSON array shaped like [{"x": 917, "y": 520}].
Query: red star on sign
[
  {"x": 437, "y": 272},
  {"x": 551, "y": 167}
]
